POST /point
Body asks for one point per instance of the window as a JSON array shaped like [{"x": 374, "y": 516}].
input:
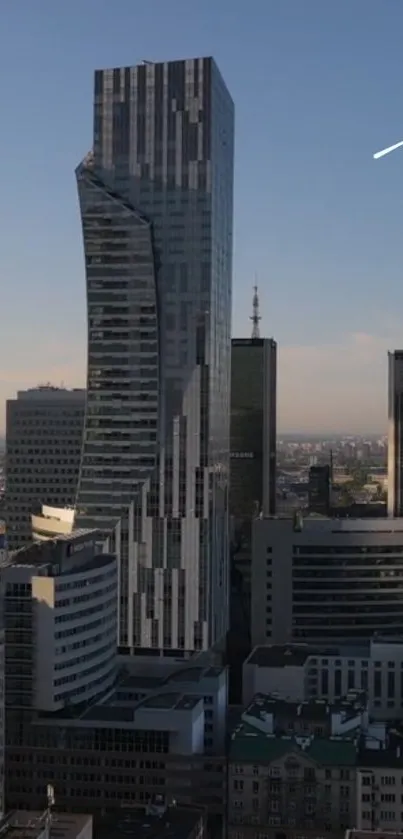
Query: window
[
  {"x": 377, "y": 684},
  {"x": 391, "y": 684},
  {"x": 388, "y": 815},
  {"x": 388, "y": 780}
]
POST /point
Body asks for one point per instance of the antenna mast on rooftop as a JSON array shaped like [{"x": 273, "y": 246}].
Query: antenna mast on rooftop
[{"x": 255, "y": 318}]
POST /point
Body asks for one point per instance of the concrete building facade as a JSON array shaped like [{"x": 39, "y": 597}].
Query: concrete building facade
[
  {"x": 300, "y": 672},
  {"x": 44, "y": 429},
  {"x": 147, "y": 737},
  {"x": 156, "y": 197},
  {"x": 325, "y": 581},
  {"x": 60, "y": 601}
]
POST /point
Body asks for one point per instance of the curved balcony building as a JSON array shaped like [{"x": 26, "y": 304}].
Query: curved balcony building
[
  {"x": 60, "y": 620},
  {"x": 51, "y": 522},
  {"x": 156, "y": 207}
]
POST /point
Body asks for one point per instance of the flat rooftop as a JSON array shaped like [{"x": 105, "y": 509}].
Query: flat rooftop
[
  {"x": 309, "y": 709},
  {"x": 325, "y": 525},
  {"x": 289, "y": 655},
  {"x": 113, "y": 709},
  {"x": 175, "y": 823},
  {"x": 192, "y": 675},
  {"x": 28, "y": 824},
  {"x": 296, "y": 655},
  {"x": 41, "y": 554}
]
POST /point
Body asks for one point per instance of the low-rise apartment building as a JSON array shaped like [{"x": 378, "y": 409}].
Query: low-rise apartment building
[
  {"x": 380, "y": 787},
  {"x": 299, "y": 770},
  {"x": 292, "y": 767}
]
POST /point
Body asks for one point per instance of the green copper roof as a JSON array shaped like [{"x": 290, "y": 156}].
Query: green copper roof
[{"x": 250, "y": 746}]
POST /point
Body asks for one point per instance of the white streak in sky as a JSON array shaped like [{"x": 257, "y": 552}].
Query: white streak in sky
[{"x": 382, "y": 153}]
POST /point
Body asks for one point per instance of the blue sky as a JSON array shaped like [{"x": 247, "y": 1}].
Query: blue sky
[{"x": 318, "y": 87}]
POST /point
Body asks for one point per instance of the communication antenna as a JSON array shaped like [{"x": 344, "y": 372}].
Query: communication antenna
[{"x": 255, "y": 318}]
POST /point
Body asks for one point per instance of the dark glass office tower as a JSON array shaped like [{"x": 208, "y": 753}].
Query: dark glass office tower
[
  {"x": 395, "y": 434},
  {"x": 319, "y": 489},
  {"x": 253, "y": 428},
  {"x": 156, "y": 204}
]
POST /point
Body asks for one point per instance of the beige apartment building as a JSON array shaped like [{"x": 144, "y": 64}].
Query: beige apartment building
[
  {"x": 292, "y": 768},
  {"x": 313, "y": 769},
  {"x": 380, "y": 788}
]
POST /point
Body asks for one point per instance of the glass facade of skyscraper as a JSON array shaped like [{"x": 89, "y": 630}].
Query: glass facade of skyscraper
[{"x": 156, "y": 197}]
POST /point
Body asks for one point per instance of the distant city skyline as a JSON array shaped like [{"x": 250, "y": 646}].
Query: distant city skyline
[
  {"x": 323, "y": 375},
  {"x": 317, "y": 221}
]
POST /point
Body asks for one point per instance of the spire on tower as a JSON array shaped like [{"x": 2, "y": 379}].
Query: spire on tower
[{"x": 255, "y": 316}]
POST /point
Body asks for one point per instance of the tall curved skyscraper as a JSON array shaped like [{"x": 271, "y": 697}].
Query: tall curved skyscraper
[{"x": 156, "y": 199}]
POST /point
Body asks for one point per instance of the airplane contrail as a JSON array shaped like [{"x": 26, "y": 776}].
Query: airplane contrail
[{"x": 382, "y": 153}]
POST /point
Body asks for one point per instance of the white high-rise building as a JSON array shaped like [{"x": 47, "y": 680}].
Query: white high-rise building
[
  {"x": 324, "y": 581},
  {"x": 43, "y": 450},
  {"x": 156, "y": 197},
  {"x": 62, "y": 595}
]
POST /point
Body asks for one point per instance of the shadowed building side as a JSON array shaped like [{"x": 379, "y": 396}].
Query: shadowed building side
[
  {"x": 253, "y": 427},
  {"x": 43, "y": 452},
  {"x": 120, "y": 434},
  {"x": 395, "y": 434}
]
